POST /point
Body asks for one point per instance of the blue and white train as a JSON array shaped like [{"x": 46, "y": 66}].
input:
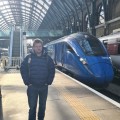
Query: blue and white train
[{"x": 83, "y": 55}]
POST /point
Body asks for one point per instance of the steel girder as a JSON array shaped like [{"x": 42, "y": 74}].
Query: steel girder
[
  {"x": 27, "y": 13},
  {"x": 43, "y": 14},
  {"x": 66, "y": 14}
]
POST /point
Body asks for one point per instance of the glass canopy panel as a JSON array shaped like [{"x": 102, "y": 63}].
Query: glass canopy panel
[
  {"x": 41, "y": 2},
  {"x": 39, "y": 6},
  {"x": 23, "y": 12}
]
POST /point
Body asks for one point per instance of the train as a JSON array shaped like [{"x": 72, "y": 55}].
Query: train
[
  {"x": 112, "y": 44},
  {"x": 84, "y": 56}
]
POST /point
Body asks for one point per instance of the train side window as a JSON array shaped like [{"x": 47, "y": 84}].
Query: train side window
[
  {"x": 105, "y": 42},
  {"x": 119, "y": 49},
  {"x": 69, "y": 49}
]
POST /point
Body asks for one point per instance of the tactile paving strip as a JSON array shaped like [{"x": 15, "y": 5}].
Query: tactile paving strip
[{"x": 81, "y": 110}]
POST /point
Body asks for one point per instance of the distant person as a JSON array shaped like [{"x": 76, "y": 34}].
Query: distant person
[{"x": 37, "y": 71}]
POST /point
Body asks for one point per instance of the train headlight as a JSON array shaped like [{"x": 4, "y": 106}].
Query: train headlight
[
  {"x": 83, "y": 61},
  {"x": 110, "y": 59}
]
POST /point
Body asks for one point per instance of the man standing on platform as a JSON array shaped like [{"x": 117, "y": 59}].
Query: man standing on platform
[{"x": 37, "y": 71}]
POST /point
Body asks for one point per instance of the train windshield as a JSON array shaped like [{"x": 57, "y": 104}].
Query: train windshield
[{"x": 90, "y": 45}]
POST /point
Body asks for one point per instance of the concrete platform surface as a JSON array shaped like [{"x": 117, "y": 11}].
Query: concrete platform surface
[
  {"x": 15, "y": 106},
  {"x": 67, "y": 100}
]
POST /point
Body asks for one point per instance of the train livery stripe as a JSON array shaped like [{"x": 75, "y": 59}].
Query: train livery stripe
[{"x": 79, "y": 107}]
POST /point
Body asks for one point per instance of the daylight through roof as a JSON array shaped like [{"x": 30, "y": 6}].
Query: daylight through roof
[{"x": 26, "y": 13}]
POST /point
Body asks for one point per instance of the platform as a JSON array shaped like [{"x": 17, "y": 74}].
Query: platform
[{"x": 67, "y": 100}]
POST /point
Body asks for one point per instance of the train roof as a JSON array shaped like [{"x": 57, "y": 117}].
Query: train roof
[
  {"x": 4, "y": 49},
  {"x": 68, "y": 37}
]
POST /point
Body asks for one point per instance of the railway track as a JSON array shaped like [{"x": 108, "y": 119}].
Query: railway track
[{"x": 112, "y": 91}]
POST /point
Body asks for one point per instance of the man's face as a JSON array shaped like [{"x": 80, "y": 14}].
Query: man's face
[{"x": 37, "y": 48}]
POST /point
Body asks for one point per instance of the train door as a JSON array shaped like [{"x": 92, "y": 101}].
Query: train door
[
  {"x": 59, "y": 53},
  {"x": 63, "y": 55},
  {"x": 70, "y": 59},
  {"x": 51, "y": 51}
]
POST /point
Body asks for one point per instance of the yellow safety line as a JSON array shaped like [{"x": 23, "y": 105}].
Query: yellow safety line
[{"x": 81, "y": 110}]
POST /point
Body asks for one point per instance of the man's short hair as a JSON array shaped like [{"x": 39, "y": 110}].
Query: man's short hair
[{"x": 37, "y": 40}]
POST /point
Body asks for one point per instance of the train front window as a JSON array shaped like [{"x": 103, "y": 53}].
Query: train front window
[{"x": 90, "y": 45}]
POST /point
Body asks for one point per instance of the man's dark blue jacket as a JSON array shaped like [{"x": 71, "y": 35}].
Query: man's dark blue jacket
[{"x": 37, "y": 70}]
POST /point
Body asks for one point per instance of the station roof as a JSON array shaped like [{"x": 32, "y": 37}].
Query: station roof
[
  {"x": 61, "y": 10},
  {"x": 27, "y": 13},
  {"x": 35, "y": 14}
]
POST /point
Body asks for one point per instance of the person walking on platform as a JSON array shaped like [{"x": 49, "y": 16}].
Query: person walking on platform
[{"x": 37, "y": 71}]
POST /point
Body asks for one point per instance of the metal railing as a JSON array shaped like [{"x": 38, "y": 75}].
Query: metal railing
[{"x": 15, "y": 63}]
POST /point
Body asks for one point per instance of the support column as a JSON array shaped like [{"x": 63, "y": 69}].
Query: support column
[
  {"x": 11, "y": 46},
  {"x": 24, "y": 44}
]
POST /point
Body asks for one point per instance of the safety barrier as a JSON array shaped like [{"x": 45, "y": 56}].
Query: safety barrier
[{"x": 15, "y": 63}]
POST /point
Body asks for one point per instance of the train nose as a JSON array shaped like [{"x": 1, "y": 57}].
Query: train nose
[{"x": 103, "y": 73}]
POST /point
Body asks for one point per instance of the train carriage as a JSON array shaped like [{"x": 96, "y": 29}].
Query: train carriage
[
  {"x": 83, "y": 55},
  {"x": 112, "y": 44}
]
